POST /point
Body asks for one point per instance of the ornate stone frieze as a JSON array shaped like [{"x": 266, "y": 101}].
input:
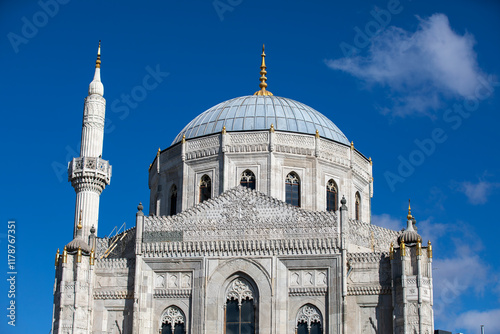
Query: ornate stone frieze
[
  {"x": 119, "y": 294},
  {"x": 371, "y": 236},
  {"x": 114, "y": 263},
  {"x": 172, "y": 293},
  {"x": 241, "y": 247},
  {"x": 312, "y": 291},
  {"x": 368, "y": 257},
  {"x": 173, "y": 280},
  {"x": 308, "y": 278},
  {"x": 369, "y": 290}
]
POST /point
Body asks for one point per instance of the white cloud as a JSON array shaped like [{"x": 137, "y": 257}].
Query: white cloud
[
  {"x": 472, "y": 320},
  {"x": 420, "y": 68},
  {"x": 477, "y": 193},
  {"x": 385, "y": 220}
]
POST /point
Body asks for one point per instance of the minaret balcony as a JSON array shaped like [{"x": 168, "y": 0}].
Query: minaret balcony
[{"x": 89, "y": 166}]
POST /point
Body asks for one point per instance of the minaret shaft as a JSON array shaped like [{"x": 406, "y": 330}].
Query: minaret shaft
[{"x": 89, "y": 174}]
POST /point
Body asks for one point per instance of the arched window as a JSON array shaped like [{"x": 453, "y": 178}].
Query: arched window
[
  {"x": 248, "y": 179},
  {"x": 309, "y": 320},
  {"x": 358, "y": 206},
  {"x": 240, "y": 308},
  {"x": 331, "y": 196},
  {"x": 173, "y": 200},
  {"x": 173, "y": 321},
  {"x": 292, "y": 189},
  {"x": 205, "y": 188}
]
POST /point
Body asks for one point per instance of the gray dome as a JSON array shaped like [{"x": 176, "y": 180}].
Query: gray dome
[{"x": 248, "y": 113}]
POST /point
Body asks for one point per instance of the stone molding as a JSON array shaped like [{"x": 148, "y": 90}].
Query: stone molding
[
  {"x": 120, "y": 294},
  {"x": 318, "y": 246},
  {"x": 312, "y": 291},
  {"x": 368, "y": 290},
  {"x": 115, "y": 263},
  {"x": 367, "y": 257},
  {"x": 284, "y": 142},
  {"x": 172, "y": 293}
]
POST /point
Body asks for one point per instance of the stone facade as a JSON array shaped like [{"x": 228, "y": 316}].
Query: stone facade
[{"x": 205, "y": 254}]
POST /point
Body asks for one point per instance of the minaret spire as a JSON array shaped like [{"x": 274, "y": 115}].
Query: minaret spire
[
  {"x": 263, "y": 78},
  {"x": 89, "y": 174}
]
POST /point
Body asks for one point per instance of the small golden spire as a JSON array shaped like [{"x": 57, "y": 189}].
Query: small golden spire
[
  {"x": 184, "y": 138},
  {"x": 370, "y": 159},
  {"x": 391, "y": 251},
  {"x": 158, "y": 153},
  {"x": 317, "y": 133},
  {"x": 419, "y": 246},
  {"x": 224, "y": 130},
  {"x": 98, "y": 61},
  {"x": 79, "y": 255},
  {"x": 272, "y": 128},
  {"x": 92, "y": 257},
  {"x": 352, "y": 145},
  {"x": 263, "y": 78},
  {"x": 65, "y": 255},
  {"x": 57, "y": 258},
  {"x": 429, "y": 250},
  {"x": 410, "y": 217},
  {"x": 403, "y": 248},
  {"x": 79, "y": 226}
]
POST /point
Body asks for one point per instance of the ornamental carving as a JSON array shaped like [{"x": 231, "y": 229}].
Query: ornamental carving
[
  {"x": 172, "y": 316},
  {"x": 239, "y": 290},
  {"x": 309, "y": 314}
]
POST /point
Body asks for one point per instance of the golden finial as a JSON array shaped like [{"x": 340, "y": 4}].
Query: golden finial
[
  {"x": 224, "y": 130},
  {"x": 65, "y": 255},
  {"x": 92, "y": 257},
  {"x": 391, "y": 251},
  {"x": 403, "y": 248},
  {"x": 79, "y": 255},
  {"x": 370, "y": 159},
  {"x": 429, "y": 250},
  {"x": 410, "y": 217},
  {"x": 158, "y": 153},
  {"x": 263, "y": 78},
  {"x": 419, "y": 246},
  {"x": 57, "y": 258},
  {"x": 79, "y": 226},
  {"x": 98, "y": 61},
  {"x": 272, "y": 128},
  {"x": 352, "y": 145},
  {"x": 184, "y": 138},
  {"x": 317, "y": 133}
]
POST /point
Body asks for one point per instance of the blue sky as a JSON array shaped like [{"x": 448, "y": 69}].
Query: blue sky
[{"x": 414, "y": 84}]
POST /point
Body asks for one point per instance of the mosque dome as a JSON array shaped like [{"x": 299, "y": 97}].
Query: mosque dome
[{"x": 258, "y": 112}]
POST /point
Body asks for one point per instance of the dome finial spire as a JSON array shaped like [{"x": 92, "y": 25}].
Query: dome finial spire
[
  {"x": 409, "y": 211},
  {"x": 98, "y": 61},
  {"x": 263, "y": 78}
]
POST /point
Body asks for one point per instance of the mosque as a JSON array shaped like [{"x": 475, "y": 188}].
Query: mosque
[{"x": 259, "y": 222}]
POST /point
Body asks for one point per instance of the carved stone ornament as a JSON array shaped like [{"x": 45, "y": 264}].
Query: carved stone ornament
[
  {"x": 309, "y": 314},
  {"x": 239, "y": 290},
  {"x": 172, "y": 315}
]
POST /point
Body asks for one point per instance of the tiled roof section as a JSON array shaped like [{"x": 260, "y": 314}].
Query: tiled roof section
[{"x": 248, "y": 113}]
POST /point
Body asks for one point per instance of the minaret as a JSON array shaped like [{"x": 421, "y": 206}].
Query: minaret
[{"x": 89, "y": 174}]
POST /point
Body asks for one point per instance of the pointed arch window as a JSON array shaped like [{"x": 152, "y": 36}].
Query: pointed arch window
[
  {"x": 173, "y": 200},
  {"x": 292, "y": 189},
  {"x": 173, "y": 321},
  {"x": 205, "y": 188},
  {"x": 309, "y": 320},
  {"x": 240, "y": 308},
  {"x": 331, "y": 196},
  {"x": 358, "y": 206},
  {"x": 248, "y": 179}
]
